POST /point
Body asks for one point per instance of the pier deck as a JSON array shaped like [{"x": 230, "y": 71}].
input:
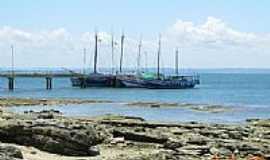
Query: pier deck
[
  {"x": 48, "y": 75},
  {"x": 38, "y": 74}
]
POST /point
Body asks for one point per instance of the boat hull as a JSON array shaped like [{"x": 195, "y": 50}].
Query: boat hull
[
  {"x": 94, "y": 81},
  {"x": 132, "y": 83},
  {"x": 158, "y": 84},
  {"x": 169, "y": 84}
]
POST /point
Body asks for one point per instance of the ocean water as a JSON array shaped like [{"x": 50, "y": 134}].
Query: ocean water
[{"x": 247, "y": 92}]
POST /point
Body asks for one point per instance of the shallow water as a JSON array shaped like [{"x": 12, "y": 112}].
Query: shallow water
[
  {"x": 171, "y": 114},
  {"x": 248, "y": 92}
]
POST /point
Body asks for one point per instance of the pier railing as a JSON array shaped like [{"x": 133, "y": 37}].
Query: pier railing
[
  {"x": 40, "y": 73},
  {"x": 47, "y": 74}
]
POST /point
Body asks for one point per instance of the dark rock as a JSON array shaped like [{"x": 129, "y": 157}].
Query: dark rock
[
  {"x": 10, "y": 152},
  {"x": 142, "y": 140},
  {"x": 235, "y": 135},
  {"x": 248, "y": 147},
  {"x": 220, "y": 151},
  {"x": 52, "y": 137},
  {"x": 133, "y": 118},
  {"x": 155, "y": 106},
  {"x": 197, "y": 140},
  {"x": 139, "y": 137},
  {"x": 45, "y": 116},
  {"x": 93, "y": 151},
  {"x": 173, "y": 144},
  {"x": 195, "y": 150}
]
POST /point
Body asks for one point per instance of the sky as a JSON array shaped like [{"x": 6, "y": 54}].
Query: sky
[{"x": 208, "y": 33}]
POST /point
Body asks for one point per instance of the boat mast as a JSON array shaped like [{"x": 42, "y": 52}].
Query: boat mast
[
  {"x": 84, "y": 60},
  {"x": 122, "y": 51},
  {"x": 112, "y": 54},
  {"x": 12, "y": 60},
  {"x": 158, "y": 57},
  {"x": 145, "y": 53},
  {"x": 139, "y": 55},
  {"x": 96, "y": 52},
  {"x": 176, "y": 61}
]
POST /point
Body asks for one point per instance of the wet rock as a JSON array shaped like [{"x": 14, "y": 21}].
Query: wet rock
[
  {"x": 134, "y": 137},
  {"x": 44, "y": 114},
  {"x": 9, "y": 152},
  {"x": 220, "y": 151},
  {"x": 259, "y": 122},
  {"x": 52, "y": 136},
  {"x": 93, "y": 151},
  {"x": 155, "y": 106},
  {"x": 110, "y": 117},
  {"x": 173, "y": 144},
  {"x": 248, "y": 147},
  {"x": 139, "y": 137},
  {"x": 195, "y": 150},
  {"x": 118, "y": 140},
  {"x": 197, "y": 140},
  {"x": 235, "y": 135}
]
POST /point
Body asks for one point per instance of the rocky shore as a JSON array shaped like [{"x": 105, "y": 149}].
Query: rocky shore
[
  {"x": 50, "y": 135},
  {"x": 10, "y": 102}
]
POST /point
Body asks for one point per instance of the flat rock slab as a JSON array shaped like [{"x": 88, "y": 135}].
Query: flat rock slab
[
  {"x": 10, "y": 152},
  {"x": 55, "y": 136},
  {"x": 140, "y": 139}
]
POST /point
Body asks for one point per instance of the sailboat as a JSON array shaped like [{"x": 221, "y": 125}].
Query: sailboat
[
  {"x": 171, "y": 82},
  {"x": 94, "y": 79},
  {"x": 132, "y": 80}
]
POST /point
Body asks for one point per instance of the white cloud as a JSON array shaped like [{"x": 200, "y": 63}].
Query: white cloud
[
  {"x": 214, "y": 31},
  {"x": 215, "y": 44},
  {"x": 210, "y": 44}
]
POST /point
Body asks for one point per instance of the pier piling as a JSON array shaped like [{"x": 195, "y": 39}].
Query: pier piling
[
  {"x": 48, "y": 76},
  {"x": 11, "y": 83},
  {"x": 48, "y": 83}
]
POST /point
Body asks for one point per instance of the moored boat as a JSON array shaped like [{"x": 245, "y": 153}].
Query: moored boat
[
  {"x": 171, "y": 82},
  {"x": 179, "y": 82},
  {"x": 134, "y": 80},
  {"x": 131, "y": 83},
  {"x": 94, "y": 79}
]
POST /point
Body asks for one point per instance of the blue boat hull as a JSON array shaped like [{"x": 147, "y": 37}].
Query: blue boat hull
[
  {"x": 169, "y": 84},
  {"x": 94, "y": 80},
  {"x": 130, "y": 81}
]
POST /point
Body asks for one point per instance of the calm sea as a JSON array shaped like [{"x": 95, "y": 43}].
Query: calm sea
[{"x": 247, "y": 92}]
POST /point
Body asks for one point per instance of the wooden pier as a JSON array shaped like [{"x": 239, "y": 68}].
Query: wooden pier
[{"x": 48, "y": 75}]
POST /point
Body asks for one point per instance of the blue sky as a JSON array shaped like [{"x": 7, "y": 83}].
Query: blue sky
[{"x": 147, "y": 17}]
